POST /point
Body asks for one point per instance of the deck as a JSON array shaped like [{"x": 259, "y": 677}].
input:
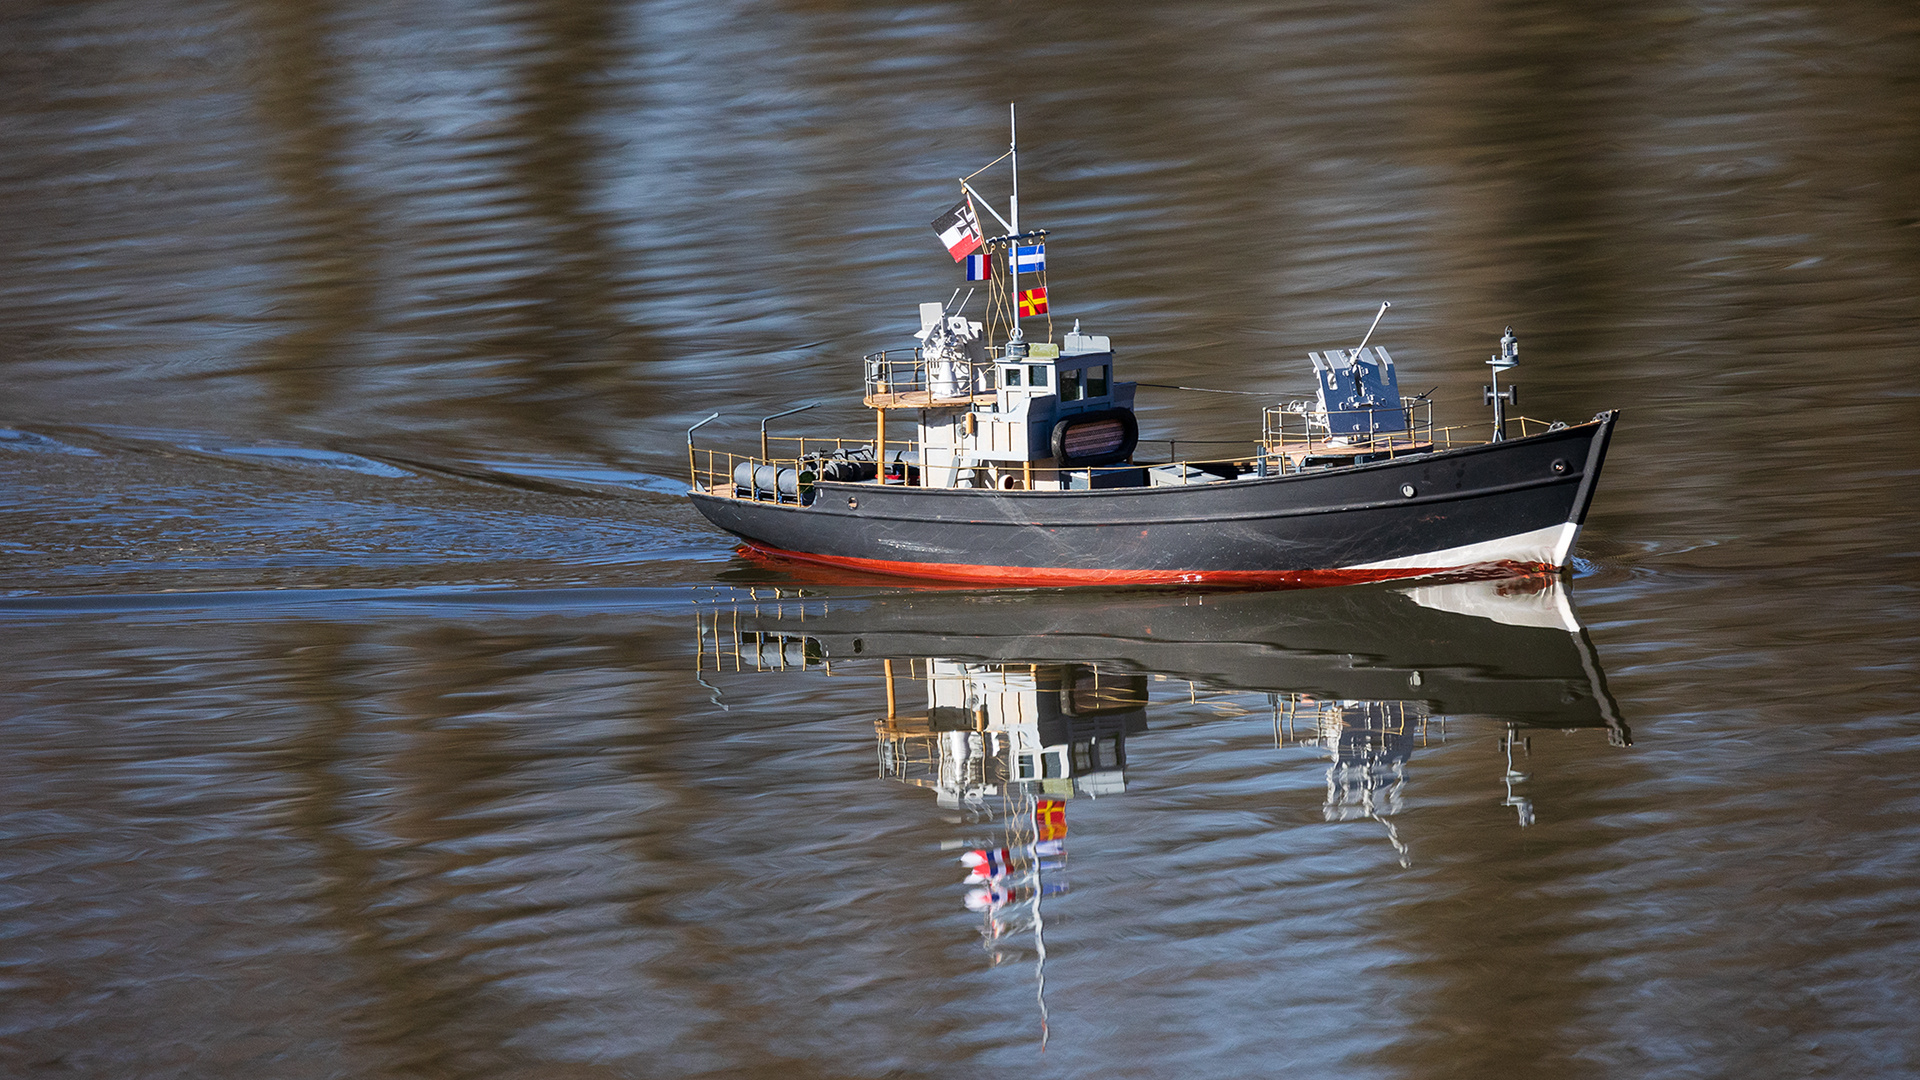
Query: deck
[
  {"x": 1322, "y": 452},
  {"x": 926, "y": 399}
]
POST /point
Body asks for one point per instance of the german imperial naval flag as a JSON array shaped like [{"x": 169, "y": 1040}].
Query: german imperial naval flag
[
  {"x": 959, "y": 229},
  {"x": 1033, "y": 302}
]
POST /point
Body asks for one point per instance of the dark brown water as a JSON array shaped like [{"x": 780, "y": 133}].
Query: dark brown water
[{"x": 374, "y": 705}]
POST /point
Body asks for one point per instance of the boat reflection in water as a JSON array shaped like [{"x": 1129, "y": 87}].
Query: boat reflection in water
[{"x": 1010, "y": 706}]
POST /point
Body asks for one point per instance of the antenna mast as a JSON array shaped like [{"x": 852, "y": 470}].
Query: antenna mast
[
  {"x": 1013, "y": 231},
  {"x": 1013, "y": 151}
]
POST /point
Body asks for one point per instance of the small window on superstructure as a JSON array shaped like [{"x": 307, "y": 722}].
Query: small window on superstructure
[
  {"x": 1037, "y": 376},
  {"x": 1070, "y": 386},
  {"x": 1097, "y": 381},
  {"x": 1010, "y": 376}
]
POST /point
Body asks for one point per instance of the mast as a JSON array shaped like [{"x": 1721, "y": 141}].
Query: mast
[
  {"x": 1039, "y": 926},
  {"x": 1013, "y": 151},
  {"x": 1013, "y": 232},
  {"x": 1015, "y": 338}
]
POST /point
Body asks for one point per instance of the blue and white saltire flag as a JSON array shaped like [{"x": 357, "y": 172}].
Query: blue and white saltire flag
[
  {"x": 1030, "y": 260},
  {"x": 979, "y": 267}
]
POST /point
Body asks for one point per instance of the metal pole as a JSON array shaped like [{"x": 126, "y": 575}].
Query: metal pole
[
  {"x": 1013, "y": 151},
  {"x": 1013, "y": 230},
  {"x": 691, "y": 475},
  {"x": 1499, "y": 409},
  {"x": 776, "y": 416},
  {"x": 968, "y": 188},
  {"x": 1509, "y": 356}
]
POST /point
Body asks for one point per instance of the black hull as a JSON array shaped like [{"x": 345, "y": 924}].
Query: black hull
[{"x": 1516, "y": 504}]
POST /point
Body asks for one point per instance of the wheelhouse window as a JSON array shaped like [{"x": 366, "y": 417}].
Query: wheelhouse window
[
  {"x": 1010, "y": 376},
  {"x": 1097, "y": 381},
  {"x": 1037, "y": 376},
  {"x": 1070, "y": 385}
]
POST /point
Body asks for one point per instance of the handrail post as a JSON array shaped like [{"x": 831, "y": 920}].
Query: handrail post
[
  {"x": 776, "y": 416},
  {"x": 691, "y": 472}
]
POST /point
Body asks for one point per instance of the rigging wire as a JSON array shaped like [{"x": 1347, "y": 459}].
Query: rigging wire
[
  {"x": 987, "y": 166},
  {"x": 1203, "y": 390}
]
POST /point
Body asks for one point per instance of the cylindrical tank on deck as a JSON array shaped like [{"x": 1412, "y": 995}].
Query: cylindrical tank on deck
[
  {"x": 845, "y": 470},
  {"x": 769, "y": 479}
]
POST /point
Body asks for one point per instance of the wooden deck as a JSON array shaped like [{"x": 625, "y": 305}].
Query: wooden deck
[
  {"x": 924, "y": 399},
  {"x": 1322, "y": 452}
]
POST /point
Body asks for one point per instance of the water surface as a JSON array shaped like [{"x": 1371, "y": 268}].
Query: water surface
[{"x": 377, "y": 706}]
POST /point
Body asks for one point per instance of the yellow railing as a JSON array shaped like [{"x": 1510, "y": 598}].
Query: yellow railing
[
  {"x": 1457, "y": 435},
  {"x": 1308, "y": 719},
  {"x": 714, "y": 471},
  {"x": 800, "y": 446},
  {"x": 908, "y": 371},
  {"x": 1173, "y": 451},
  {"x": 720, "y": 647},
  {"x": 911, "y": 759},
  {"x": 786, "y": 470},
  {"x": 1292, "y": 436},
  {"x": 1225, "y": 467},
  {"x": 1294, "y": 433},
  {"x": 1300, "y": 424}
]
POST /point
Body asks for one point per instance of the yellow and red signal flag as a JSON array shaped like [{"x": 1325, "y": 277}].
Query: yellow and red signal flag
[
  {"x": 1033, "y": 302},
  {"x": 1049, "y": 819}
]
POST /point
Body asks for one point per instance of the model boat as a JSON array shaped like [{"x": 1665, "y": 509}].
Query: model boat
[{"x": 1022, "y": 462}]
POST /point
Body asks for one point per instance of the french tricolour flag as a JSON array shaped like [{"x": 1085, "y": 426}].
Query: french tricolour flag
[
  {"x": 959, "y": 229},
  {"x": 979, "y": 267}
]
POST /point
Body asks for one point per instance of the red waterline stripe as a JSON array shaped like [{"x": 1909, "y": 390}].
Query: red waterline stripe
[{"x": 1045, "y": 575}]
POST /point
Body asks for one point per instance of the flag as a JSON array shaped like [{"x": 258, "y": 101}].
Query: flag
[
  {"x": 1033, "y": 302},
  {"x": 987, "y": 898},
  {"x": 1049, "y": 819},
  {"x": 1030, "y": 260},
  {"x": 987, "y": 865},
  {"x": 959, "y": 229},
  {"x": 979, "y": 267}
]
